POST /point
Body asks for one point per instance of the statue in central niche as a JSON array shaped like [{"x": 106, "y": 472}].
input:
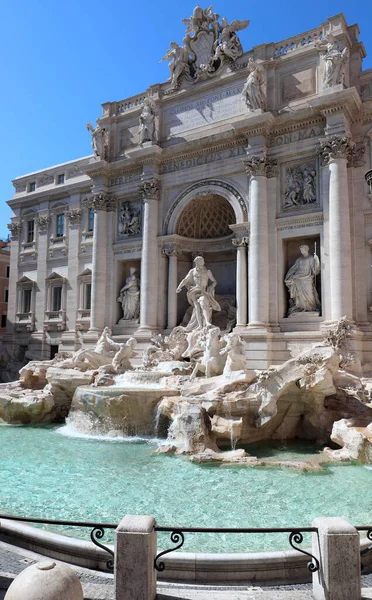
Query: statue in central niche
[
  {"x": 300, "y": 281},
  {"x": 200, "y": 294}
]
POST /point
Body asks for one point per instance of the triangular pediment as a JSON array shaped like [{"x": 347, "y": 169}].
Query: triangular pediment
[
  {"x": 85, "y": 272},
  {"x": 54, "y": 275},
  {"x": 26, "y": 279}
]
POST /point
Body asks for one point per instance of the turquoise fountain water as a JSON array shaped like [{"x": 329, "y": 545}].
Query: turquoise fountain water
[{"x": 50, "y": 472}]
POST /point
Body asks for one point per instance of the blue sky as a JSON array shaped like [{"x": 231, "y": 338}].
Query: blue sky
[{"x": 60, "y": 61}]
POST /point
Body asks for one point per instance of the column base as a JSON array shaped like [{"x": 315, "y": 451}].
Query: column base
[{"x": 258, "y": 327}]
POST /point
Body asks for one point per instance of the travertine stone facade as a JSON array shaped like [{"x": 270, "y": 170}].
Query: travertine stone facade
[{"x": 241, "y": 157}]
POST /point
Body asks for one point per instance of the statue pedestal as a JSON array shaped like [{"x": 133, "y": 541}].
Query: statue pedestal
[
  {"x": 125, "y": 326},
  {"x": 301, "y": 321}
]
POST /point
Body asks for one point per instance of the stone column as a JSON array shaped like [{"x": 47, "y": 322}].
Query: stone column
[
  {"x": 258, "y": 167},
  {"x": 241, "y": 243},
  {"x": 150, "y": 191},
  {"x": 172, "y": 253},
  {"x": 335, "y": 152},
  {"x": 337, "y": 548},
  {"x": 101, "y": 203},
  {"x": 135, "y": 552}
]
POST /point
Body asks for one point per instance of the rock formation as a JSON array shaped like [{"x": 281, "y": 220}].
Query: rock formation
[{"x": 193, "y": 386}]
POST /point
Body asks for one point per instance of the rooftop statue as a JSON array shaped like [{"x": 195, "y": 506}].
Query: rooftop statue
[
  {"x": 99, "y": 141},
  {"x": 335, "y": 55},
  {"x": 253, "y": 91},
  {"x": 179, "y": 62},
  {"x": 208, "y": 44},
  {"x": 228, "y": 45},
  {"x": 147, "y": 122}
]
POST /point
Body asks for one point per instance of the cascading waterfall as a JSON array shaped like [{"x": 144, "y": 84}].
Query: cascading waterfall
[
  {"x": 157, "y": 421},
  {"x": 233, "y": 437}
]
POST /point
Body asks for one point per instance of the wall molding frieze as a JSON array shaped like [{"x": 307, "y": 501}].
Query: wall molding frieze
[{"x": 299, "y": 221}]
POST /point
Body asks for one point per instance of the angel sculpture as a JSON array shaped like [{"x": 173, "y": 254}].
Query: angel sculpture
[
  {"x": 335, "y": 56},
  {"x": 179, "y": 65},
  {"x": 228, "y": 45}
]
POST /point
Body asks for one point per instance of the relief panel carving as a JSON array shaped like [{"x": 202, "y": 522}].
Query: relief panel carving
[
  {"x": 129, "y": 219},
  {"x": 299, "y": 187}
]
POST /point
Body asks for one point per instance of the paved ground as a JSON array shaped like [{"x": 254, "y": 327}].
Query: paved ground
[{"x": 100, "y": 586}]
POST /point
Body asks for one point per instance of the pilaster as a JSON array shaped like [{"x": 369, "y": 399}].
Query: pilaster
[
  {"x": 73, "y": 222},
  {"x": 15, "y": 230}
]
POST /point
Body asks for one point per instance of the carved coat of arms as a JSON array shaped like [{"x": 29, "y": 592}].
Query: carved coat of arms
[{"x": 208, "y": 44}]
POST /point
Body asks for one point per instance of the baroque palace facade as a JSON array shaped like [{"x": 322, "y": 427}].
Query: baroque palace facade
[{"x": 242, "y": 158}]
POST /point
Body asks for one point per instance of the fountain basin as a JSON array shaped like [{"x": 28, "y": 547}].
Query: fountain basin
[
  {"x": 57, "y": 473},
  {"x": 126, "y": 411}
]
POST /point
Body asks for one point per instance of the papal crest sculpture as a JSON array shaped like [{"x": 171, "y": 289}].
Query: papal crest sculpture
[{"x": 208, "y": 44}]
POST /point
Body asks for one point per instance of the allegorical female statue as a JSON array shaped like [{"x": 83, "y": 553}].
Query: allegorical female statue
[
  {"x": 129, "y": 296},
  {"x": 147, "y": 122},
  {"x": 253, "y": 91},
  {"x": 300, "y": 281},
  {"x": 99, "y": 141},
  {"x": 335, "y": 55}
]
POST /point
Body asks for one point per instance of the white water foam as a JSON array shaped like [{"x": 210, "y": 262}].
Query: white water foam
[{"x": 69, "y": 430}]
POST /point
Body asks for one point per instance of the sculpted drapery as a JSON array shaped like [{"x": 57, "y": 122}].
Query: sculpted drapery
[{"x": 300, "y": 281}]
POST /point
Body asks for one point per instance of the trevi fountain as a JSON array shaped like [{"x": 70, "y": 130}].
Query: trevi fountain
[
  {"x": 195, "y": 298},
  {"x": 193, "y": 396}
]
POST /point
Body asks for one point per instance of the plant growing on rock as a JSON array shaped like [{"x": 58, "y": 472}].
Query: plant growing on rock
[{"x": 337, "y": 337}]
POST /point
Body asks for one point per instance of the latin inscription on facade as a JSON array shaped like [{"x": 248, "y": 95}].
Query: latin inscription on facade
[
  {"x": 125, "y": 178},
  {"x": 297, "y": 136},
  {"x": 224, "y": 105},
  {"x": 205, "y": 159}
]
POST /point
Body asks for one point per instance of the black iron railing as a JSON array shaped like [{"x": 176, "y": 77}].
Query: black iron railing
[
  {"x": 97, "y": 530},
  {"x": 177, "y": 536}
]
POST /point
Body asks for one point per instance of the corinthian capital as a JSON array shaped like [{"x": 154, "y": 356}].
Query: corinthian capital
[
  {"x": 240, "y": 241},
  {"x": 336, "y": 146},
  {"x": 15, "y": 228},
  {"x": 74, "y": 216},
  {"x": 260, "y": 165},
  {"x": 170, "y": 250},
  {"x": 43, "y": 223},
  {"x": 150, "y": 189},
  {"x": 106, "y": 202}
]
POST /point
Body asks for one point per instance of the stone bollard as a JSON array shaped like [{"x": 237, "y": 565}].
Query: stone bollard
[
  {"x": 46, "y": 580},
  {"x": 337, "y": 547},
  {"x": 135, "y": 552}
]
